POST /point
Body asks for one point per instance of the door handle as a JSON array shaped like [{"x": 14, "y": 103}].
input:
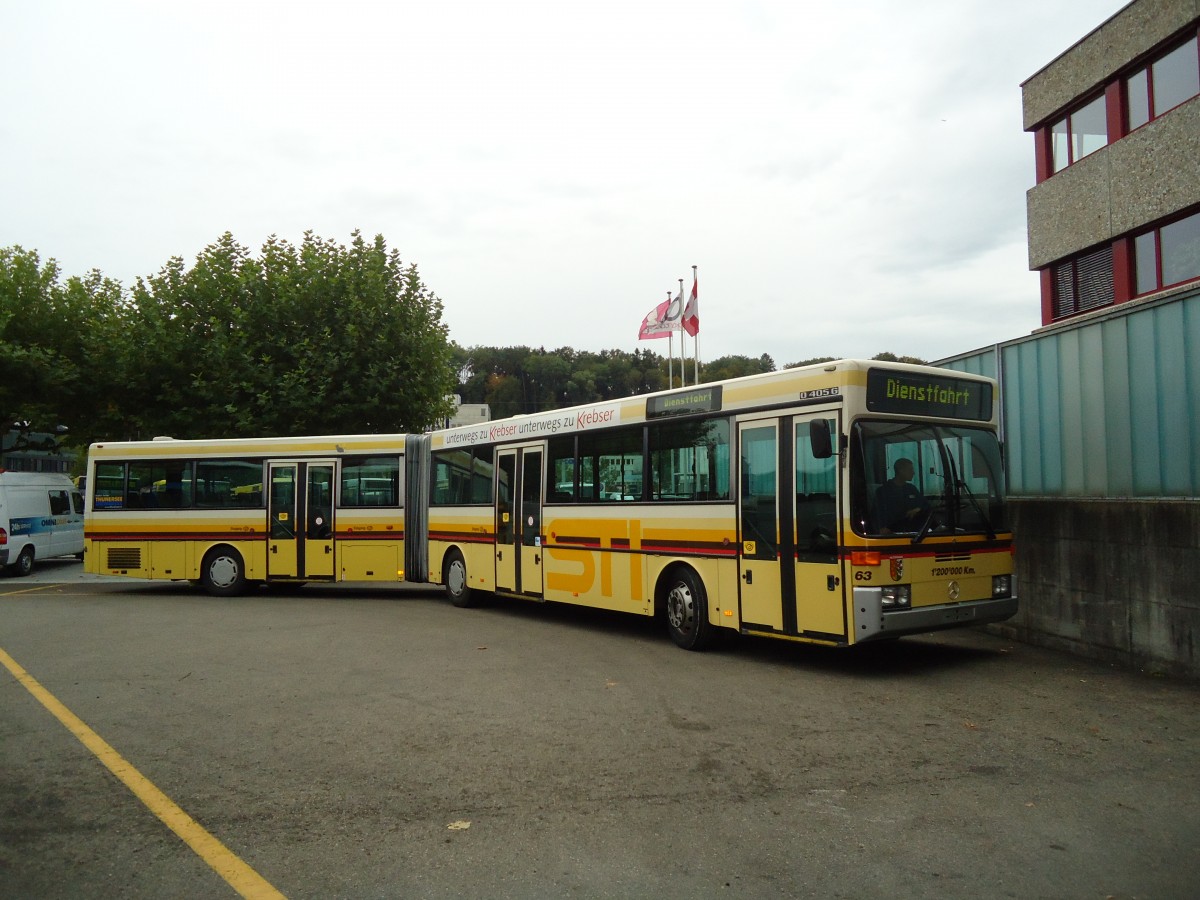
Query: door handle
[
  {"x": 274, "y": 548},
  {"x": 537, "y": 559},
  {"x": 748, "y": 577},
  {"x": 328, "y": 548},
  {"x": 833, "y": 581},
  {"x": 500, "y": 554}
]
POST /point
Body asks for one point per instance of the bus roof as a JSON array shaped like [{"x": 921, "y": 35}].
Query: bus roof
[
  {"x": 814, "y": 384},
  {"x": 320, "y": 445},
  {"x": 828, "y": 382}
]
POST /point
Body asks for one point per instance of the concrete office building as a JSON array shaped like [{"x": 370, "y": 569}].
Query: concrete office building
[
  {"x": 1115, "y": 214},
  {"x": 1101, "y": 406}
]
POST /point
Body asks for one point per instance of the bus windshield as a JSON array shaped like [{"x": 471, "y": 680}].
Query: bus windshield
[{"x": 920, "y": 479}]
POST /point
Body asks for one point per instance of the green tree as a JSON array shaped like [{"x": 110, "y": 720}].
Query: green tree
[
  {"x": 810, "y": 362},
  {"x": 892, "y": 357},
  {"x": 516, "y": 380},
  {"x": 735, "y": 367},
  {"x": 881, "y": 357},
  {"x": 35, "y": 372},
  {"x": 59, "y": 345},
  {"x": 315, "y": 339}
]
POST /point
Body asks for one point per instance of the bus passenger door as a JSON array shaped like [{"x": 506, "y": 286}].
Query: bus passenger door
[
  {"x": 530, "y": 568},
  {"x": 506, "y": 511},
  {"x": 519, "y": 521},
  {"x": 761, "y": 573},
  {"x": 283, "y": 549},
  {"x": 820, "y": 593},
  {"x": 318, "y": 522}
]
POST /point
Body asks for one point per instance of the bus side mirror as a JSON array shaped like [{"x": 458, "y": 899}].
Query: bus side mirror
[{"x": 819, "y": 439}]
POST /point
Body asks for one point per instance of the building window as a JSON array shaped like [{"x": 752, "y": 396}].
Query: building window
[
  {"x": 1080, "y": 132},
  {"x": 1167, "y": 255},
  {"x": 1145, "y": 262},
  {"x": 1084, "y": 282},
  {"x": 1171, "y": 79}
]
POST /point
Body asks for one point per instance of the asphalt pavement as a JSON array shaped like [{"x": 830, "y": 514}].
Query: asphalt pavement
[{"x": 367, "y": 741}]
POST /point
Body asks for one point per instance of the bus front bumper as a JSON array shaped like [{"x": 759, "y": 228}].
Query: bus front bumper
[{"x": 872, "y": 622}]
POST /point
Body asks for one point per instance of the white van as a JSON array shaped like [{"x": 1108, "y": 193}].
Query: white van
[{"x": 41, "y": 515}]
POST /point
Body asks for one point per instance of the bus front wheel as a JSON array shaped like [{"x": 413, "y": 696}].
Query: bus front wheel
[
  {"x": 223, "y": 573},
  {"x": 687, "y": 610},
  {"x": 458, "y": 587}
]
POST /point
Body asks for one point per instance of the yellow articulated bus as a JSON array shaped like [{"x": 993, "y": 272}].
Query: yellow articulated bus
[
  {"x": 197, "y": 510},
  {"x": 839, "y": 503}
]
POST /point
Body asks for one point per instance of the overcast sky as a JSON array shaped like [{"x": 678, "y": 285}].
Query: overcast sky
[{"x": 850, "y": 178}]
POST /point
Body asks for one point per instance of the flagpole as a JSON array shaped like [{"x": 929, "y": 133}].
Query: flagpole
[
  {"x": 682, "y": 340},
  {"x": 670, "y": 350}
]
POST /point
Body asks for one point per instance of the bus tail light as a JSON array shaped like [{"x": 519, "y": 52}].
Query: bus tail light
[
  {"x": 1001, "y": 586},
  {"x": 3, "y": 537},
  {"x": 896, "y": 596}
]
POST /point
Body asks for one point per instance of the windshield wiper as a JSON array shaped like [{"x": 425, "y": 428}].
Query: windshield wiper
[
  {"x": 924, "y": 529},
  {"x": 991, "y": 532}
]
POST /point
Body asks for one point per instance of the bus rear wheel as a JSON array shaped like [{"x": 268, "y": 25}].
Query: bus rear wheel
[
  {"x": 223, "y": 573},
  {"x": 458, "y": 587},
  {"x": 687, "y": 610}
]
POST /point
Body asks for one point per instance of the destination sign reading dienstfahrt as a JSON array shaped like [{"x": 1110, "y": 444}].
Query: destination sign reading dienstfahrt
[
  {"x": 682, "y": 403},
  {"x": 928, "y": 395}
]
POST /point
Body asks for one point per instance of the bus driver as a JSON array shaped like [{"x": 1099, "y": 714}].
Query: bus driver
[{"x": 900, "y": 505}]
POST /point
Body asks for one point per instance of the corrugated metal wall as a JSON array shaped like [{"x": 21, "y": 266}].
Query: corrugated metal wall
[
  {"x": 1110, "y": 408},
  {"x": 978, "y": 362}
]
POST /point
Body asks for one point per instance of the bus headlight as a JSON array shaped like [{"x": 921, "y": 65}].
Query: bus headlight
[
  {"x": 1001, "y": 586},
  {"x": 896, "y": 596}
]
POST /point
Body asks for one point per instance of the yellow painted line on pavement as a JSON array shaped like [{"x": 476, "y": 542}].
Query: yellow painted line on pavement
[
  {"x": 40, "y": 587},
  {"x": 224, "y": 862}
]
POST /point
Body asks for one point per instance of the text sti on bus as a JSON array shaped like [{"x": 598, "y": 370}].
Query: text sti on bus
[{"x": 838, "y": 503}]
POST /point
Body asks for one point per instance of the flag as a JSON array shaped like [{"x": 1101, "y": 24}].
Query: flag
[
  {"x": 691, "y": 315},
  {"x": 658, "y": 323},
  {"x": 675, "y": 310}
]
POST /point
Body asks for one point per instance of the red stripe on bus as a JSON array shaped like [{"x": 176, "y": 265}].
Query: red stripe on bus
[
  {"x": 462, "y": 537},
  {"x": 176, "y": 536}
]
